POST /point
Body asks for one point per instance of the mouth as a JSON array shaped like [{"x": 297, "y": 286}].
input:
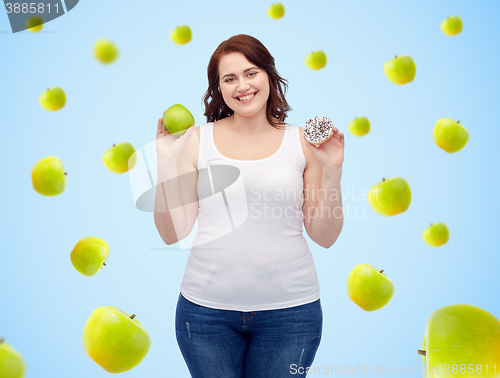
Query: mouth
[{"x": 247, "y": 100}]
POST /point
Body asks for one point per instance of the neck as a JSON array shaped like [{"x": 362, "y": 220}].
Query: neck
[{"x": 255, "y": 124}]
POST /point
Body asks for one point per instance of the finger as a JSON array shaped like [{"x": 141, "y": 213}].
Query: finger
[
  {"x": 188, "y": 132},
  {"x": 159, "y": 132}
]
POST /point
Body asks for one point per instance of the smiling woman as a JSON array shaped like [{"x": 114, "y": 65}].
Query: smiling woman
[{"x": 249, "y": 303}]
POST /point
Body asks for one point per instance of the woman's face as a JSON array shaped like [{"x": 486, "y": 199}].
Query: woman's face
[{"x": 239, "y": 78}]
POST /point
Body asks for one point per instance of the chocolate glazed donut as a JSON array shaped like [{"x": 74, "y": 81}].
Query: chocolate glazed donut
[{"x": 318, "y": 130}]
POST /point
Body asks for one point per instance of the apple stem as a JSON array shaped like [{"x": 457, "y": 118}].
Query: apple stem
[
  {"x": 431, "y": 224},
  {"x": 395, "y": 56},
  {"x": 381, "y": 270},
  {"x": 133, "y": 316},
  {"x": 65, "y": 173},
  {"x": 383, "y": 178},
  {"x": 422, "y": 352},
  {"x": 104, "y": 264},
  {"x": 113, "y": 144},
  {"x": 2, "y": 340},
  {"x": 458, "y": 121}
]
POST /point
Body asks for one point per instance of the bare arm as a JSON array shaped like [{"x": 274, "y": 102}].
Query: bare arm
[
  {"x": 169, "y": 215},
  {"x": 328, "y": 216},
  {"x": 323, "y": 210},
  {"x": 176, "y": 202}
]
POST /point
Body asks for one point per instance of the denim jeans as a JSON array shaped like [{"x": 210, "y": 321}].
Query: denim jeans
[{"x": 261, "y": 344}]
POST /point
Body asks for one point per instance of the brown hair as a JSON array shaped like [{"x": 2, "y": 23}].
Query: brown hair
[{"x": 256, "y": 53}]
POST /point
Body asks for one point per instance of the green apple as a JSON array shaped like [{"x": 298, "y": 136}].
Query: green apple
[
  {"x": 400, "y": 70},
  {"x": 369, "y": 287},
  {"x": 89, "y": 255},
  {"x": 461, "y": 340},
  {"x": 120, "y": 159},
  {"x": 436, "y": 234},
  {"x": 48, "y": 176},
  {"x": 449, "y": 135},
  {"x": 115, "y": 340},
  {"x": 34, "y": 24},
  {"x": 53, "y": 99},
  {"x": 316, "y": 60},
  {"x": 105, "y": 51},
  {"x": 359, "y": 126},
  {"x": 390, "y": 196},
  {"x": 276, "y": 11},
  {"x": 181, "y": 34},
  {"x": 452, "y": 25},
  {"x": 11, "y": 362},
  {"x": 177, "y": 119}
]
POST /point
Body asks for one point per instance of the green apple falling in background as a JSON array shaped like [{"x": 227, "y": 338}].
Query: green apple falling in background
[
  {"x": 48, "y": 176},
  {"x": 461, "y": 341},
  {"x": 400, "y": 70},
  {"x": 53, "y": 99},
  {"x": 177, "y": 119},
  {"x": 120, "y": 158},
  {"x": 449, "y": 135},
  {"x": 390, "y": 196},
  {"x": 452, "y": 25},
  {"x": 181, "y": 34},
  {"x": 359, "y": 126},
  {"x": 34, "y": 24},
  {"x": 276, "y": 11},
  {"x": 11, "y": 362},
  {"x": 105, "y": 51},
  {"x": 369, "y": 287},
  {"x": 115, "y": 340},
  {"x": 89, "y": 255},
  {"x": 436, "y": 234},
  {"x": 316, "y": 60}
]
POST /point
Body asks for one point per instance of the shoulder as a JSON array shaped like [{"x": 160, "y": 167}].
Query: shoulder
[{"x": 307, "y": 153}]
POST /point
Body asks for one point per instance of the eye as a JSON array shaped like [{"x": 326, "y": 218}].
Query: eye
[{"x": 251, "y": 73}]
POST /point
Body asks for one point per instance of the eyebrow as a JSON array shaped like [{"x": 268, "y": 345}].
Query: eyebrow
[{"x": 232, "y": 74}]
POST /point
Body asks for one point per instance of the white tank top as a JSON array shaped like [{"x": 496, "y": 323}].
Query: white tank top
[{"x": 249, "y": 253}]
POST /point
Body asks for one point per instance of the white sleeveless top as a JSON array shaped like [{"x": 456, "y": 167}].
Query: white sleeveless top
[{"x": 249, "y": 253}]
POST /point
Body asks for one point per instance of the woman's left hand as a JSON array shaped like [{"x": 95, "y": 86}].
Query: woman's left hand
[{"x": 330, "y": 153}]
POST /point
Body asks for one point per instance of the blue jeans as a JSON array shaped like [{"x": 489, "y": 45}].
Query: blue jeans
[{"x": 261, "y": 344}]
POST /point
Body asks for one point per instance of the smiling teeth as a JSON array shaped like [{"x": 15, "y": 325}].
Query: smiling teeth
[{"x": 247, "y": 97}]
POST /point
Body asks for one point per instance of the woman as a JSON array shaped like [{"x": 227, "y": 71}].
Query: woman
[{"x": 249, "y": 304}]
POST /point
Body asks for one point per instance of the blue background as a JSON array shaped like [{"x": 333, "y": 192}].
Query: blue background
[{"x": 45, "y": 302}]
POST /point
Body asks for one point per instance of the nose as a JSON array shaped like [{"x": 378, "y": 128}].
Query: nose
[{"x": 243, "y": 86}]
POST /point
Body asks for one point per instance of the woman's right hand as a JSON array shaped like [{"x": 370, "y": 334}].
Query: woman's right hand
[{"x": 168, "y": 145}]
